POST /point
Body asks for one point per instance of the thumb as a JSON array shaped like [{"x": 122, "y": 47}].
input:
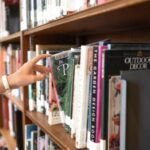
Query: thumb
[{"x": 39, "y": 77}]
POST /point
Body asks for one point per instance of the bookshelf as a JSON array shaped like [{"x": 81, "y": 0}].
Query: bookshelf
[
  {"x": 118, "y": 20},
  {"x": 56, "y": 132},
  {"x": 15, "y": 101},
  {"x": 13, "y": 38},
  {"x": 10, "y": 141}
]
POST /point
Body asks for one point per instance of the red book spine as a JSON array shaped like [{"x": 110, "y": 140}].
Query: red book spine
[{"x": 5, "y": 113}]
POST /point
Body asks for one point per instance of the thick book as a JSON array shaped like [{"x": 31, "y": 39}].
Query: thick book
[
  {"x": 63, "y": 70},
  {"x": 114, "y": 62},
  {"x": 83, "y": 90},
  {"x": 135, "y": 114}
]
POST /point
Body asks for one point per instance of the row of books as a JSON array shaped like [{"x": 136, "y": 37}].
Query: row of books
[
  {"x": 36, "y": 139},
  {"x": 37, "y": 12},
  {"x": 27, "y": 14},
  {"x": 9, "y": 15},
  {"x": 10, "y": 62},
  {"x": 77, "y": 92},
  {"x": 11, "y": 117}
]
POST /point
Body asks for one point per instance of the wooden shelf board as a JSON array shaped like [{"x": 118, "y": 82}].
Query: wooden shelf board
[
  {"x": 10, "y": 141},
  {"x": 56, "y": 132},
  {"x": 15, "y": 101},
  {"x": 15, "y": 37},
  {"x": 117, "y": 15}
]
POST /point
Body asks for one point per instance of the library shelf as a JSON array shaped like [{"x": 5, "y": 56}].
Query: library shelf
[
  {"x": 17, "y": 102},
  {"x": 10, "y": 141},
  {"x": 114, "y": 16},
  {"x": 57, "y": 133},
  {"x": 13, "y": 38}
]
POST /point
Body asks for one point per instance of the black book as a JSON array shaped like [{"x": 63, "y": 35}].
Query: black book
[
  {"x": 13, "y": 19},
  {"x": 114, "y": 62},
  {"x": 135, "y": 108},
  {"x": 19, "y": 129}
]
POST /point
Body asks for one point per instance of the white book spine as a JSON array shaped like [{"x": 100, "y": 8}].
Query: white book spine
[
  {"x": 83, "y": 96},
  {"x": 76, "y": 100},
  {"x": 123, "y": 115},
  {"x": 23, "y": 13},
  {"x": 32, "y": 103},
  {"x": 11, "y": 126}
]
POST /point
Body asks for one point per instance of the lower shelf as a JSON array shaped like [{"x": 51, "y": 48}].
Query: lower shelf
[
  {"x": 10, "y": 141},
  {"x": 57, "y": 133}
]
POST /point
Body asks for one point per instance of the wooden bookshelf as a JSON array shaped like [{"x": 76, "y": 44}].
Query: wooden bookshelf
[
  {"x": 114, "y": 16},
  {"x": 124, "y": 20},
  {"x": 56, "y": 132},
  {"x": 17, "y": 102},
  {"x": 10, "y": 141},
  {"x": 13, "y": 38}
]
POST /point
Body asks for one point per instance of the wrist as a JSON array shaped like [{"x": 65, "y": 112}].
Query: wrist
[{"x": 11, "y": 81}]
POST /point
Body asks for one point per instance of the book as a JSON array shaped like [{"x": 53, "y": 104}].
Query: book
[
  {"x": 19, "y": 129},
  {"x": 34, "y": 140},
  {"x": 114, "y": 109},
  {"x": 82, "y": 107},
  {"x": 137, "y": 107},
  {"x": 31, "y": 87},
  {"x": 29, "y": 128},
  {"x": 62, "y": 72},
  {"x": 114, "y": 62}
]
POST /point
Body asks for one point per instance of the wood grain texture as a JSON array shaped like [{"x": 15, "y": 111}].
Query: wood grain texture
[
  {"x": 114, "y": 16},
  {"x": 10, "y": 141},
  {"x": 56, "y": 132},
  {"x": 14, "y": 38}
]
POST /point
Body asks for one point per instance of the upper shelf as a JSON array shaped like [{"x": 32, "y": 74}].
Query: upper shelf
[
  {"x": 117, "y": 15},
  {"x": 11, "y": 38}
]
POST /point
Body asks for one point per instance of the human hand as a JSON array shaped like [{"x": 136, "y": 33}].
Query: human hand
[{"x": 27, "y": 73}]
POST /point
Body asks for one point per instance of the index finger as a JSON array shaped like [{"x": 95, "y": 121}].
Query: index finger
[{"x": 39, "y": 57}]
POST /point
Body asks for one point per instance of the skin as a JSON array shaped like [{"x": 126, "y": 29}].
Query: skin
[{"x": 27, "y": 74}]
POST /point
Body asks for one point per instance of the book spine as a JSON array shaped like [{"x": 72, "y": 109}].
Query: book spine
[
  {"x": 23, "y": 10},
  {"x": 99, "y": 93},
  {"x": 94, "y": 94},
  {"x": 31, "y": 87},
  {"x": 123, "y": 115},
  {"x": 81, "y": 134},
  {"x": 75, "y": 100}
]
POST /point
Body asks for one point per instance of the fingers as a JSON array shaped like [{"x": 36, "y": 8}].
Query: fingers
[
  {"x": 39, "y": 77},
  {"x": 41, "y": 69},
  {"x": 37, "y": 58}
]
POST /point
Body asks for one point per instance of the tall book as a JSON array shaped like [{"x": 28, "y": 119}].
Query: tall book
[
  {"x": 114, "y": 109},
  {"x": 82, "y": 107},
  {"x": 19, "y": 129},
  {"x": 134, "y": 119},
  {"x": 114, "y": 62}
]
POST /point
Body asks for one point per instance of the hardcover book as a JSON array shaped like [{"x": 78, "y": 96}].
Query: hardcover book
[
  {"x": 134, "y": 115},
  {"x": 114, "y": 113},
  {"x": 114, "y": 62}
]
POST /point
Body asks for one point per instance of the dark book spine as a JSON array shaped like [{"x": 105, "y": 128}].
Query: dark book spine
[
  {"x": 94, "y": 94},
  {"x": 19, "y": 129}
]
